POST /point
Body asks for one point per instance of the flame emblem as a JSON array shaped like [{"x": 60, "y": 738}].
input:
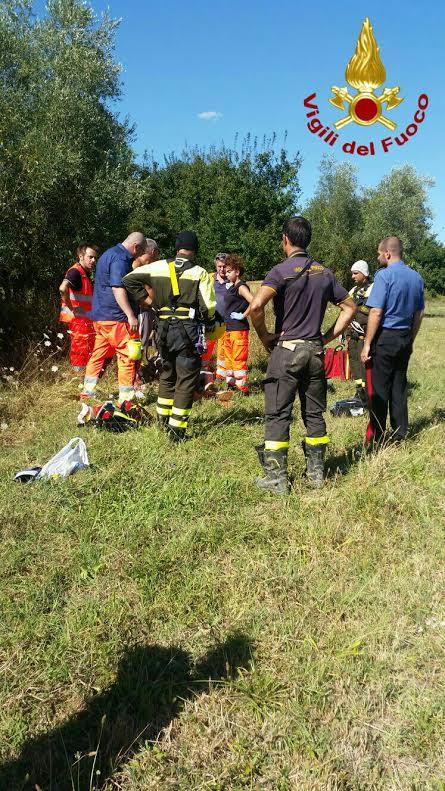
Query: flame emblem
[{"x": 365, "y": 72}]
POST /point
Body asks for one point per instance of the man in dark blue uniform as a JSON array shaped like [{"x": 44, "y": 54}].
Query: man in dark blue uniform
[
  {"x": 301, "y": 289},
  {"x": 396, "y": 310}
]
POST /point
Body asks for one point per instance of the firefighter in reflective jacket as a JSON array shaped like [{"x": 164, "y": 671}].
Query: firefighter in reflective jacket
[
  {"x": 183, "y": 296},
  {"x": 76, "y": 291},
  {"x": 356, "y": 331}
]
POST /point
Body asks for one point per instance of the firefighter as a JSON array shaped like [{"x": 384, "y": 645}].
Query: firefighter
[
  {"x": 301, "y": 289},
  {"x": 357, "y": 328},
  {"x": 183, "y": 296},
  {"x": 76, "y": 292}
]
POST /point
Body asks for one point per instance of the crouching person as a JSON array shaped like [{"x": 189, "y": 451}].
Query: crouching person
[{"x": 301, "y": 289}]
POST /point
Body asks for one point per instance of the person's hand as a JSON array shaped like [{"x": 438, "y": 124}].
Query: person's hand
[
  {"x": 132, "y": 322},
  {"x": 237, "y": 316},
  {"x": 366, "y": 353},
  {"x": 269, "y": 341}
]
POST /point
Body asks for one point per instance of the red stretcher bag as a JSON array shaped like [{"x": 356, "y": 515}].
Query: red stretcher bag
[{"x": 336, "y": 363}]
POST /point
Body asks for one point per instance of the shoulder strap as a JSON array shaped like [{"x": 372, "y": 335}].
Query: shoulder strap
[
  {"x": 173, "y": 279},
  {"x": 307, "y": 265}
]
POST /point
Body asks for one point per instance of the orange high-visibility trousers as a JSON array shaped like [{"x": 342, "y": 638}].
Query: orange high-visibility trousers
[
  {"x": 206, "y": 357},
  {"x": 82, "y": 336},
  {"x": 236, "y": 352},
  {"x": 111, "y": 338}
]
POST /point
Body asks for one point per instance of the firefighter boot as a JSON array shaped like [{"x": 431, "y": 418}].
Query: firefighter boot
[
  {"x": 162, "y": 421},
  {"x": 176, "y": 434},
  {"x": 260, "y": 453},
  {"x": 275, "y": 467},
  {"x": 314, "y": 465},
  {"x": 360, "y": 395}
]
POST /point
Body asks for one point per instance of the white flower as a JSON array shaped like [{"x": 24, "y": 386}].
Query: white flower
[
  {"x": 4, "y": 426},
  {"x": 12, "y": 368},
  {"x": 47, "y": 343},
  {"x": 60, "y": 335},
  {"x": 54, "y": 368}
]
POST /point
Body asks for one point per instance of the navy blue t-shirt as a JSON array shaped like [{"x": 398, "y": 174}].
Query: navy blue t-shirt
[
  {"x": 111, "y": 267},
  {"x": 300, "y": 304},
  {"x": 220, "y": 293},
  {"x": 235, "y": 303}
]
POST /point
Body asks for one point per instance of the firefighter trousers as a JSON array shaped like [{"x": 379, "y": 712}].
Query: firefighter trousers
[
  {"x": 290, "y": 371},
  {"x": 178, "y": 380},
  {"x": 355, "y": 348}
]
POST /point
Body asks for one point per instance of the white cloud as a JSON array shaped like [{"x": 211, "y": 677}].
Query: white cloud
[{"x": 210, "y": 115}]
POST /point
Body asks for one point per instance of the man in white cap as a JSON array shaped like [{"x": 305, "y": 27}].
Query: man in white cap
[{"x": 356, "y": 331}]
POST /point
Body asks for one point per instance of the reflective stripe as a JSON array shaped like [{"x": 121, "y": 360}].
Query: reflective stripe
[
  {"x": 161, "y": 411},
  {"x": 316, "y": 440},
  {"x": 126, "y": 388},
  {"x": 173, "y": 278},
  {"x": 82, "y": 297},
  {"x": 271, "y": 445},
  {"x": 180, "y": 308},
  {"x": 178, "y": 411},
  {"x": 165, "y": 401},
  {"x": 164, "y": 317},
  {"x": 93, "y": 380},
  {"x": 177, "y": 423}
]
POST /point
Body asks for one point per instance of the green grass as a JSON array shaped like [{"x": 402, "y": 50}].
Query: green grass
[{"x": 164, "y": 625}]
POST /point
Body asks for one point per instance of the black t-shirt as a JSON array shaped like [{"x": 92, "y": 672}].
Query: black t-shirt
[
  {"x": 235, "y": 303},
  {"x": 74, "y": 279},
  {"x": 300, "y": 304}
]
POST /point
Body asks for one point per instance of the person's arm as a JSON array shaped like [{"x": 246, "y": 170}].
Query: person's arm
[
  {"x": 248, "y": 296},
  {"x": 347, "y": 312},
  {"x": 417, "y": 321},
  {"x": 122, "y": 300},
  {"x": 64, "y": 289},
  {"x": 374, "y": 321},
  {"x": 258, "y": 316},
  {"x": 206, "y": 296}
]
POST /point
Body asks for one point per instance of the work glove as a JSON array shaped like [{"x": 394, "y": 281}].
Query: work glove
[{"x": 237, "y": 316}]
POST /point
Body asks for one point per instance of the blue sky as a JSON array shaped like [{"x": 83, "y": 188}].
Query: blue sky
[{"x": 254, "y": 62}]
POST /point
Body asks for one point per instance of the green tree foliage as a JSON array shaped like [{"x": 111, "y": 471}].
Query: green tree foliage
[
  {"x": 429, "y": 260},
  {"x": 62, "y": 150},
  {"x": 348, "y": 223},
  {"x": 234, "y": 201},
  {"x": 335, "y": 212}
]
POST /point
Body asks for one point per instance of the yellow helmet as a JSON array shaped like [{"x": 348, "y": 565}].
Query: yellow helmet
[{"x": 217, "y": 332}]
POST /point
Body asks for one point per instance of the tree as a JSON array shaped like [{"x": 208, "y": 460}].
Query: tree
[
  {"x": 234, "y": 201},
  {"x": 398, "y": 206},
  {"x": 335, "y": 212},
  {"x": 429, "y": 259},
  {"x": 62, "y": 148}
]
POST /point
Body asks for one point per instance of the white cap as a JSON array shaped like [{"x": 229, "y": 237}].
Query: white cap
[{"x": 361, "y": 266}]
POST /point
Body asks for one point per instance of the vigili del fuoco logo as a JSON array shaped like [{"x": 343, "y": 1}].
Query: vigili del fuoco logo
[{"x": 366, "y": 74}]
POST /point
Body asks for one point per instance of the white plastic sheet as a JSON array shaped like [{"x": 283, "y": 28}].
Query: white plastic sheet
[{"x": 71, "y": 458}]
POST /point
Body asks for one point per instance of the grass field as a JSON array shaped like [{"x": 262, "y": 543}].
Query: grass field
[{"x": 164, "y": 625}]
